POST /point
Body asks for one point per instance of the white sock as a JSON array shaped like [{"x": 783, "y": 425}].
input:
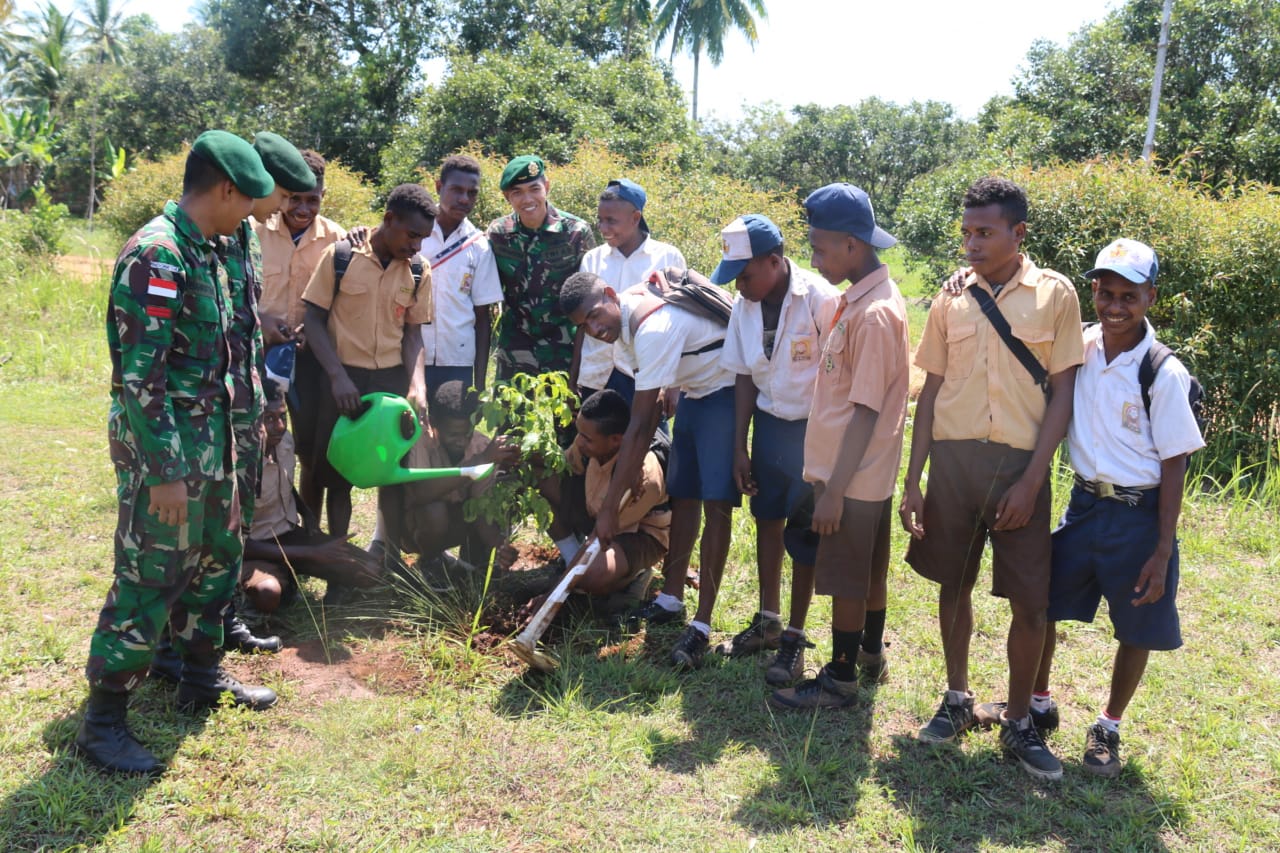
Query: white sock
[
  {"x": 569, "y": 548},
  {"x": 1108, "y": 722},
  {"x": 379, "y": 530},
  {"x": 769, "y": 615},
  {"x": 669, "y": 602},
  {"x": 1041, "y": 701},
  {"x": 703, "y": 628}
]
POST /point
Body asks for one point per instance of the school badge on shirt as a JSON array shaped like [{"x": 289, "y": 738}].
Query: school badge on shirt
[
  {"x": 800, "y": 350},
  {"x": 1131, "y": 417}
]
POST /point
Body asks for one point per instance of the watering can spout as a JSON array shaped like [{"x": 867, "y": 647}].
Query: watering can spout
[{"x": 367, "y": 450}]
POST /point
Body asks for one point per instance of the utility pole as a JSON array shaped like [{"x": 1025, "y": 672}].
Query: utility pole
[{"x": 1162, "y": 48}]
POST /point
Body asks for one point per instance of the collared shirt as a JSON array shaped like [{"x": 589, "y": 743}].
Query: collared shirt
[
  {"x": 287, "y": 266},
  {"x": 1111, "y": 438},
  {"x": 464, "y": 277},
  {"x": 168, "y": 317},
  {"x": 986, "y": 393},
  {"x": 277, "y": 510},
  {"x": 620, "y": 271},
  {"x": 532, "y": 334},
  {"x": 648, "y": 513},
  {"x": 657, "y": 351},
  {"x": 785, "y": 381},
  {"x": 367, "y": 317},
  {"x": 866, "y": 361}
]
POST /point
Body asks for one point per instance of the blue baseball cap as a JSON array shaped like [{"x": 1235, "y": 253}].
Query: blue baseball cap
[
  {"x": 1129, "y": 258},
  {"x": 633, "y": 194},
  {"x": 845, "y": 208},
  {"x": 742, "y": 239}
]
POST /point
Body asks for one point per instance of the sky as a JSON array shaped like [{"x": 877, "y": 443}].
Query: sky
[{"x": 841, "y": 51}]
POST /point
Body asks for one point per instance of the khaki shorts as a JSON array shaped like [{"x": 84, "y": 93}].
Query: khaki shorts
[
  {"x": 849, "y": 559},
  {"x": 966, "y": 481}
]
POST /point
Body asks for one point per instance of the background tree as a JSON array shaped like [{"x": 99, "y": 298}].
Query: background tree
[
  {"x": 104, "y": 45},
  {"x": 588, "y": 27},
  {"x": 698, "y": 26},
  {"x": 635, "y": 19},
  {"x": 41, "y": 55}
]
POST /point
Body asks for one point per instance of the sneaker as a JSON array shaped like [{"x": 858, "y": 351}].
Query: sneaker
[
  {"x": 949, "y": 721},
  {"x": 689, "y": 649},
  {"x": 987, "y": 715},
  {"x": 1022, "y": 740},
  {"x": 821, "y": 692},
  {"x": 872, "y": 669},
  {"x": 788, "y": 664},
  {"x": 760, "y": 634},
  {"x": 652, "y": 613},
  {"x": 1102, "y": 751}
]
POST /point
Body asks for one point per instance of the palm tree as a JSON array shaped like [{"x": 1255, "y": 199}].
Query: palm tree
[
  {"x": 104, "y": 47},
  {"x": 42, "y": 54},
  {"x": 629, "y": 16},
  {"x": 701, "y": 25}
]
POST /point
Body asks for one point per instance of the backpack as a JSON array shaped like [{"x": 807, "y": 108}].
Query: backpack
[
  {"x": 342, "y": 259},
  {"x": 1147, "y": 369},
  {"x": 690, "y": 291}
]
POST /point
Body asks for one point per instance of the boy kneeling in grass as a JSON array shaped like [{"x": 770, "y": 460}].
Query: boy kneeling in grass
[
  {"x": 1117, "y": 538},
  {"x": 433, "y": 519},
  {"x": 625, "y": 564}
]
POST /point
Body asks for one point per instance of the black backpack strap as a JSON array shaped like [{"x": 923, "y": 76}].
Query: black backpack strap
[
  {"x": 714, "y": 345},
  {"x": 416, "y": 266},
  {"x": 1016, "y": 346},
  {"x": 1147, "y": 369},
  {"x": 341, "y": 260}
]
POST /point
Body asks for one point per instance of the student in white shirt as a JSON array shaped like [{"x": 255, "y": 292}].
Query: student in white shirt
[
  {"x": 629, "y": 255},
  {"x": 773, "y": 344}
]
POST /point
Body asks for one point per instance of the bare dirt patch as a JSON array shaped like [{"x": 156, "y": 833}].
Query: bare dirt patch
[{"x": 338, "y": 672}]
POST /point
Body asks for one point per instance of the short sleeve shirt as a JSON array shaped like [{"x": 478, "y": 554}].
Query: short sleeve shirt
[
  {"x": 1111, "y": 438},
  {"x": 463, "y": 278},
  {"x": 785, "y": 380},
  {"x": 276, "y": 511},
  {"x": 428, "y": 452},
  {"x": 986, "y": 393},
  {"x": 647, "y": 513},
  {"x": 287, "y": 266},
  {"x": 368, "y": 314},
  {"x": 865, "y": 361},
  {"x": 619, "y": 271},
  {"x": 659, "y": 350}
]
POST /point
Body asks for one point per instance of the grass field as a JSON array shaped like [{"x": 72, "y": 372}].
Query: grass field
[{"x": 395, "y": 737}]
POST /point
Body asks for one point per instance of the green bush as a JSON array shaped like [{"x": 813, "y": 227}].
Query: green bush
[
  {"x": 137, "y": 196},
  {"x": 685, "y": 209},
  {"x": 1218, "y": 290}
]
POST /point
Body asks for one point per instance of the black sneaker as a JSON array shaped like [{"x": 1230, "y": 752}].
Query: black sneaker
[
  {"x": 987, "y": 715},
  {"x": 652, "y": 613},
  {"x": 788, "y": 664},
  {"x": 949, "y": 721},
  {"x": 1022, "y": 740},
  {"x": 689, "y": 649},
  {"x": 1102, "y": 751},
  {"x": 821, "y": 692},
  {"x": 760, "y": 634}
]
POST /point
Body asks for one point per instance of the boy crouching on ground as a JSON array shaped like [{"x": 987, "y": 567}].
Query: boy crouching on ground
[
  {"x": 853, "y": 444},
  {"x": 1129, "y": 447},
  {"x": 624, "y": 567}
]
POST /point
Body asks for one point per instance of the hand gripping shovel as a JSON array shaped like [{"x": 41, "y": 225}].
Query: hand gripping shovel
[{"x": 525, "y": 645}]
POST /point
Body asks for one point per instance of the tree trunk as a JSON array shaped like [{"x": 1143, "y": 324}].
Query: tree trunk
[
  {"x": 1162, "y": 47},
  {"x": 696, "y": 54}
]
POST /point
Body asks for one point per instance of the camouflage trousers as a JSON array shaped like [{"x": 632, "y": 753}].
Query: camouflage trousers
[{"x": 181, "y": 575}]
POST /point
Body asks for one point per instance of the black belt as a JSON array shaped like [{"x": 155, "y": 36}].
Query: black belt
[{"x": 1128, "y": 494}]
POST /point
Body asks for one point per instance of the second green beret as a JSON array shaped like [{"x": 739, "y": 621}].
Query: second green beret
[{"x": 284, "y": 162}]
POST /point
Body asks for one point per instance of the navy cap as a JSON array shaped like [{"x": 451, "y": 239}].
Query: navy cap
[
  {"x": 847, "y": 209},
  {"x": 1129, "y": 258},
  {"x": 632, "y": 193},
  {"x": 742, "y": 239}
]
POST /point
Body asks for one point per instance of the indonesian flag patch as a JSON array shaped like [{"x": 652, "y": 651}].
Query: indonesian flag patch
[{"x": 162, "y": 287}]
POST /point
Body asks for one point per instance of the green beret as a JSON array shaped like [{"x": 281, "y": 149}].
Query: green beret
[
  {"x": 237, "y": 160},
  {"x": 526, "y": 167},
  {"x": 284, "y": 162}
]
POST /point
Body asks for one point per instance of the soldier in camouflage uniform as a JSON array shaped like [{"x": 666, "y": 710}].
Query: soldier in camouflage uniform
[
  {"x": 537, "y": 247},
  {"x": 177, "y": 541}
]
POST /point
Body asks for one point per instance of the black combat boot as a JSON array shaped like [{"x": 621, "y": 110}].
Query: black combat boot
[
  {"x": 202, "y": 687},
  {"x": 236, "y": 637},
  {"x": 165, "y": 663},
  {"x": 105, "y": 740}
]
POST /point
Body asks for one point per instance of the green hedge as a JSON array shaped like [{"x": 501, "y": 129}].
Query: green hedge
[
  {"x": 1219, "y": 282},
  {"x": 137, "y": 196}
]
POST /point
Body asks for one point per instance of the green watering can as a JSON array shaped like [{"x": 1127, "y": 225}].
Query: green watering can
[{"x": 367, "y": 450}]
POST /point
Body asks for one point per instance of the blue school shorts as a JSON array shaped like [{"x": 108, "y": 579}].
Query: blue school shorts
[
  {"x": 1098, "y": 551},
  {"x": 701, "y": 465},
  {"x": 777, "y": 466}
]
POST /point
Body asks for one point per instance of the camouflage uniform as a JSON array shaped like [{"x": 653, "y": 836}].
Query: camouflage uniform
[
  {"x": 244, "y": 273},
  {"x": 532, "y": 335},
  {"x": 168, "y": 323}
]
